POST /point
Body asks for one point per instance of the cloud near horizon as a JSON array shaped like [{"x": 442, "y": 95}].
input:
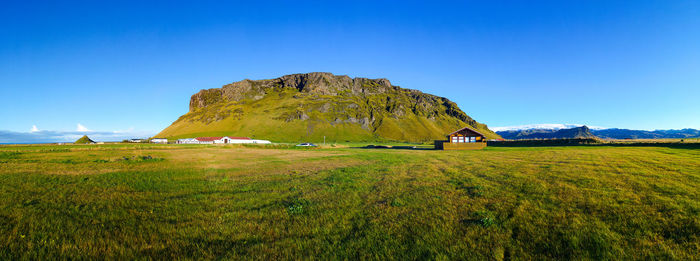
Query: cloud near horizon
[
  {"x": 48, "y": 136},
  {"x": 81, "y": 128}
]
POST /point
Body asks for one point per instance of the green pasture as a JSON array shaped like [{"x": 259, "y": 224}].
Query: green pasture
[{"x": 141, "y": 201}]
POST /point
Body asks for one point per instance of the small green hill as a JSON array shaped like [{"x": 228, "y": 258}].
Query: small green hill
[
  {"x": 311, "y": 106},
  {"x": 84, "y": 140}
]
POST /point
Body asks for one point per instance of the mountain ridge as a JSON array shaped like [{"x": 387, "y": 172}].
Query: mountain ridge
[
  {"x": 572, "y": 133},
  {"x": 616, "y": 133},
  {"x": 603, "y": 133},
  {"x": 544, "y": 126}
]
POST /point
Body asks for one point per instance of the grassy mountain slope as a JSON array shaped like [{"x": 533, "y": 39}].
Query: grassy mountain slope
[{"x": 307, "y": 107}]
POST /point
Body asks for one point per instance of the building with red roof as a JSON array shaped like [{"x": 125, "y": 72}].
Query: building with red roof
[{"x": 221, "y": 140}]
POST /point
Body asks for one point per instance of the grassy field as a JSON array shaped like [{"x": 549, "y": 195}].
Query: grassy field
[{"x": 205, "y": 201}]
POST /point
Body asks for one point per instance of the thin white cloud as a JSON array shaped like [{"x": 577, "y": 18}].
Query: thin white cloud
[
  {"x": 34, "y": 129},
  {"x": 82, "y": 128}
]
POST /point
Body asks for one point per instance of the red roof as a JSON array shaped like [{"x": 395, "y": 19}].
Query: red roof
[
  {"x": 208, "y": 138},
  {"x": 467, "y": 128}
]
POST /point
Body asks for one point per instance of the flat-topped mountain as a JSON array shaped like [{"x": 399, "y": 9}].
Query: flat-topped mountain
[{"x": 307, "y": 107}]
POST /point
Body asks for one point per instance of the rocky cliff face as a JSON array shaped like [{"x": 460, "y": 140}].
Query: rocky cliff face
[
  {"x": 311, "y": 83},
  {"x": 322, "y": 104}
]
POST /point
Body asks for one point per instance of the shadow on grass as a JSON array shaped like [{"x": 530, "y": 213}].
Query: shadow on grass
[
  {"x": 675, "y": 145},
  {"x": 551, "y": 143},
  {"x": 393, "y": 147}
]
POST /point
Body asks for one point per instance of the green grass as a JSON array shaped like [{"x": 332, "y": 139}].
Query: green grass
[{"x": 235, "y": 202}]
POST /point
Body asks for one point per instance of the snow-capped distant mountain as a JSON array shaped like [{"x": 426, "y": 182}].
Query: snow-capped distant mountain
[
  {"x": 569, "y": 133},
  {"x": 644, "y": 134},
  {"x": 559, "y": 131},
  {"x": 545, "y": 126}
]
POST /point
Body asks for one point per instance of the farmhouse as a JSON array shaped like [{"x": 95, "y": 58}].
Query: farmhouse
[{"x": 463, "y": 139}]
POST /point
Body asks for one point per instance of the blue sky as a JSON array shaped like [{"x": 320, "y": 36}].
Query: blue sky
[{"x": 129, "y": 68}]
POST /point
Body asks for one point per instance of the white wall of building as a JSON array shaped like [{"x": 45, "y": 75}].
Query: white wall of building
[
  {"x": 159, "y": 140},
  {"x": 223, "y": 140},
  {"x": 187, "y": 141}
]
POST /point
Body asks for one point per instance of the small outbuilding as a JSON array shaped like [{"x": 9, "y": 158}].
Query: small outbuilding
[
  {"x": 188, "y": 141},
  {"x": 159, "y": 140},
  {"x": 463, "y": 139}
]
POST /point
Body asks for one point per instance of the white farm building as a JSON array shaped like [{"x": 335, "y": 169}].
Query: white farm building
[
  {"x": 159, "y": 140},
  {"x": 222, "y": 140},
  {"x": 187, "y": 141}
]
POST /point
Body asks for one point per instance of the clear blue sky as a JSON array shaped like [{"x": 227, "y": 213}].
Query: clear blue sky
[{"x": 132, "y": 66}]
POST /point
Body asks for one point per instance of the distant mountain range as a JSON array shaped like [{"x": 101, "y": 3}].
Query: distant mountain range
[
  {"x": 561, "y": 131},
  {"x": 577, "y": 132},
  {"x": 642, "y": 134},
  {"x": 546, "y": 126}
]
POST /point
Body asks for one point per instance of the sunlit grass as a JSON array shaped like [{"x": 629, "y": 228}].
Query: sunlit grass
[{"x": 344, "y": 203}]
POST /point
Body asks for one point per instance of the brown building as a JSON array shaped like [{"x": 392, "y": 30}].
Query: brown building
[{"x": 463, "y": 139}]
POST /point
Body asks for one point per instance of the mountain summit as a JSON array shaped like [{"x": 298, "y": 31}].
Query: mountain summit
[
  {"x": 303, "y": 107},
  {"x": 84, "y": 140}
]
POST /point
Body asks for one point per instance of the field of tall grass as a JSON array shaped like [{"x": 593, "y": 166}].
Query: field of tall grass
[{"x": 137, "y": 201}]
